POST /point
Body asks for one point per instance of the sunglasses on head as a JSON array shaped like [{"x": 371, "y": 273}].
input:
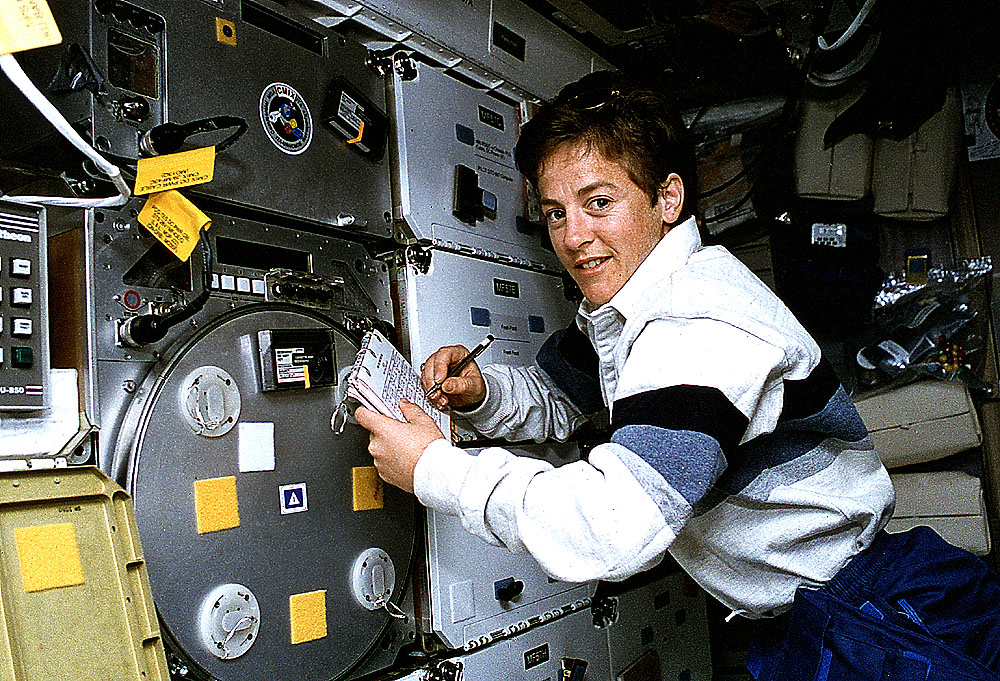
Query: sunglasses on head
[{"x": 592, "y": 99}]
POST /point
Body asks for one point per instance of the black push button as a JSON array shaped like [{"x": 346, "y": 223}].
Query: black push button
[
  {"x": 507, "y": 589},
  {"x": 468, "y": 200},
  {"x": 22, "y": 358}
]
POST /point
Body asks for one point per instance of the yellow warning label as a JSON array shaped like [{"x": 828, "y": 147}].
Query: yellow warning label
[
  {"x": 367, "y": 488},
  {"x": 25, "y": 25},
  {"x": 49, "y": 555},
  {"x": 215, "y": 504},
  {"x": 175, "y": 221},
  {"x": 308, "y": 616},
  {"x": 173, "y": 171}
]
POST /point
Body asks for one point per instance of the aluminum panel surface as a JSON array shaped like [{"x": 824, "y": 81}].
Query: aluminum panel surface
[
  {"x": 537, "y": 654},
  {"x": 464, "y": 600},
  {"x": 454, "y": 178},
  {"x": 661, "y": 615},
  {"x": 520, "y": 43},
  {"x": 570, "y": 638},
  {"x": 448, "y": 299},
  {"x": 110, "y": 270},
  {"x": 468, "y": 29},
  {"x": 433, "y": 50},
  {"x": 457, "y": 24},
  {"x": 479, "y": 665}
]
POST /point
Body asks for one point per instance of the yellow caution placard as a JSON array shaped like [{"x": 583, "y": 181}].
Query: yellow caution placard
[
  {"x": 367, "y": 488},
  {"x": 308, "y": 616},
  {"x": 49, "y": 556},
  {"x": 175, "y": 221},
  {"x": 174, "y": 171},
  {"x": 25, "y": 25},
  {"x": 216, "y": 505}
]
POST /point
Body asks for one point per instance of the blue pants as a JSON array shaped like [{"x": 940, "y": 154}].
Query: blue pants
[{"x": 909, "y": 608}]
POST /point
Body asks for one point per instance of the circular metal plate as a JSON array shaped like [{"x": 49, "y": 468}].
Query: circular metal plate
[
  {"x": 373, "y": 578},
  {"x": 229, "y": 620},
  {"x": 274, "y": 555},
  {"x": 210, "y": 401}
]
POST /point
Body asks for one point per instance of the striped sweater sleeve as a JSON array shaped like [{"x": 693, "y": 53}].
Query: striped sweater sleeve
[{"x": 690, "y": 393}]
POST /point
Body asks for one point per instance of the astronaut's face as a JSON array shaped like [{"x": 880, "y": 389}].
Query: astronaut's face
[{"x": 601, "y": 223}]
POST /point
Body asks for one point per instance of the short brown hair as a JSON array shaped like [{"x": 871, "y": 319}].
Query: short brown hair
[{"x": 634, "y": 126}]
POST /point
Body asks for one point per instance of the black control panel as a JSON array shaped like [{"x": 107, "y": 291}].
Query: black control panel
[{"x": 24, "y": 352}]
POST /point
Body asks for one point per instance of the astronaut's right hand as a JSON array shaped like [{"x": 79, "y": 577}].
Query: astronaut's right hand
[{"x": 465, "y": 391}]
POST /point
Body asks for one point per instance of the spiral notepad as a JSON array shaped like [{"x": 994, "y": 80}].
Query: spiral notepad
[{"x": 381, "y": 376}]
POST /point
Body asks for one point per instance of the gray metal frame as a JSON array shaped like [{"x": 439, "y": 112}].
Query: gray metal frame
[
  {"x": 465, "y": 128},
  {"x": 133, "y": 395},
  {"x": 198, "y": 75}
]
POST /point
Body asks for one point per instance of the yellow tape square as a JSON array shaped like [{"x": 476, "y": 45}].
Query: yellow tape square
[
  {"x": 174, "y": 221},
  {"x": 225, "y": 31},
  {"x": 308, "y": 616},
  {"x": 25, "y": 25},
  {"x": 215, "y": 504},
  {"x": 174, "y": 171},
  {"x": 367, "y": 488},
  {"x": 49, "y": 555}
]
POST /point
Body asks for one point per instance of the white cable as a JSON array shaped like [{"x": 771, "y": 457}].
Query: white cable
[
  {"x": 35, "y": 96},
  {"x": 858, "y": 20}
]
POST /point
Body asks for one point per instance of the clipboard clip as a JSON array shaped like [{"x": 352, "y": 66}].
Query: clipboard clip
[{"x": 338, "y": 421}]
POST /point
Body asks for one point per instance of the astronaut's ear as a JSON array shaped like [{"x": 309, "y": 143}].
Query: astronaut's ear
[{"x": 670, "y": 198}]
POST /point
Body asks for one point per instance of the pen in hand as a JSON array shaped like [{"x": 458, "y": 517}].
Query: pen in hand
[{"x": 462, "y": 363}]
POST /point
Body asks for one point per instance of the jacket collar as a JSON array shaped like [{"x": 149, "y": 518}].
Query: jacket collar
[{"x": 669, "y": 255}]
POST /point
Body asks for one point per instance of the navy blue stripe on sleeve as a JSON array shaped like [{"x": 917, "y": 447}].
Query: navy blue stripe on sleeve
[
  {"x": 571, "y": 362},
  {"x": 810, "y": 395},
  {"x": 693, "y": 408}
]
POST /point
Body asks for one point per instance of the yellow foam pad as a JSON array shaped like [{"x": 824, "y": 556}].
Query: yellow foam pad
[
  {"x": 215, "y": 504},
  {"x": 367, "y": 488},
  {"x": 308, "y": 616},
  {"x": 49, "y": 555}
]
